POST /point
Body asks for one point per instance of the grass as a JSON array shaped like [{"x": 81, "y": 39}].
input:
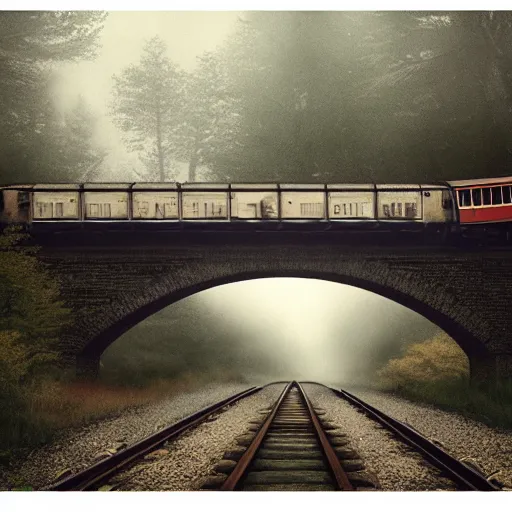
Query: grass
[
  {"x": 437, "y": 372},
  {"x": 35, "y": 415},
  {"x": 490, "y": 405}
]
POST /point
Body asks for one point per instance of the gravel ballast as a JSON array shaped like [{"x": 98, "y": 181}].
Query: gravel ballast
[
  {"x": 396, "y": 467},
  {"x": 75, "y": 449},
  {"x": 461, "y": 437},
  {"x": 186, "y": 462}
]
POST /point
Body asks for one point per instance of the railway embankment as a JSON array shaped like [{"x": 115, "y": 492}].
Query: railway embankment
[
  {"x": 490, "y": 448},
  {"x": 78, "y": 447}
]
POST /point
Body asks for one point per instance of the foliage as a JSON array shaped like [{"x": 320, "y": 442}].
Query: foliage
[
  {"x": 368, "y": 96},
  {"x": 35, "y": 142},
  {"x": 436, "y": 372},
  {"x": 209, "y": 117},
  {"x": 31, "y": 317},
  {"x": 31, "y": 314},
  {"x": 436, "y": 359},
  {"x": 147, "y": 101}
]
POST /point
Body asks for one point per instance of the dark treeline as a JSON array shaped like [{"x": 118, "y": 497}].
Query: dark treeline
[
  {"x": 189, "y": 338},
  {"x": 290, "y": 96},
  {"x": 39, "y": 142}
]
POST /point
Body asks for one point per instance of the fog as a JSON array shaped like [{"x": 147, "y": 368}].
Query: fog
[
  {"x": 266, "y": 329},
  {"x": 279, "y": 96},
  {"x": 187, "y": 35}
]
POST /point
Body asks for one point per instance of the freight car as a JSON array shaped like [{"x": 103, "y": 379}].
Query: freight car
[{"x": 440, "y": 209}]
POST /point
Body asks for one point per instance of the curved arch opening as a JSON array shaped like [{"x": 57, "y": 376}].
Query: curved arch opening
[{"x": 362, "y": 313}]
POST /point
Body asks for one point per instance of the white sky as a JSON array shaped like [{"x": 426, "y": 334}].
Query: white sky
[
  {"x": 311, "y": 319},
  {"x": 187, "y": 34}
]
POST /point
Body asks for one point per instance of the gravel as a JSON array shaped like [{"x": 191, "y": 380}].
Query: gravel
[
  {"x": 186, "y": 462},
  {"x": 490, "y": 448},
  {"x": 396, "y": 467},
  {"x": 76, "y": 448}
]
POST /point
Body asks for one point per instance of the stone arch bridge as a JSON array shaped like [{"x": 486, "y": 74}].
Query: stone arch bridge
[{"x": 114, "y": 280}]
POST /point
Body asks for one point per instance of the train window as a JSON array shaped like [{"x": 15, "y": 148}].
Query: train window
[
  {"x": 464, "y": 197},
  {"x": 59, "y": 209},
  {"x": 476, "y": 194},
  {"x": 396, "y": 209},
  {"x": 496, "y": 195},
  {"x": 486, "y": 195},
  {"x": 94, "y": 210},
  {"x": 44, "y": 210},
  {"x": 312, "y": 209},
  {"x": 507, "y": 194},
  {"x": 410, "y": 210}
]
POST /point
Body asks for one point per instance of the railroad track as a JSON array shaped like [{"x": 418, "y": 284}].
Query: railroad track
[
  {"x": 290, "y": 451},
  {"x": 93, "y": 476},
  {"x": 291, "y": 448},
  {"x": 464, "y": 476}
]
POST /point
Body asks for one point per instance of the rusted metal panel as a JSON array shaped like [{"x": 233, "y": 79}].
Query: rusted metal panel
[
  {"x": 351, "y": 205},
  {"x": 55, "y": 205},
  {"x": 106, "y": 205},
  {"x": 204, "y": 205},
  {"x": 302, "y": 205},
  {"x": 400, "y": 204},
  {"x": 155, "y": 205},
  {"x": 254, "y": 205}
]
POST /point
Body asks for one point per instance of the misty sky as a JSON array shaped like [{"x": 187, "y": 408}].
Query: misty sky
[
  {"x": 187, "y": 34},
  {"x": 294, "y": 328}
]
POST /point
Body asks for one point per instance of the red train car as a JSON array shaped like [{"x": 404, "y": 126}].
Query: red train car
[
  {"x": 484, "y": 206},
  {"x": 484, "y": 200}
]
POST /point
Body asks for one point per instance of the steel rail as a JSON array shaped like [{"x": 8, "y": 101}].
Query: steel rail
[
  {"x": 456, "y": 470},
  {"x": 238, "y": 472},
  {"x": 334, "y": 463},
  {"x": 87, "y": 478},
  {"x": 341, "y": 478}
]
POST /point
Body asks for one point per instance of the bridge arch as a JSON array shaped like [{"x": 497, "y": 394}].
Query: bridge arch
[{"x": 436, "y": 301}]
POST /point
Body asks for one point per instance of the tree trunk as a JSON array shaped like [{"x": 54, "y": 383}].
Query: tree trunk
[
  {"x": 159, "y": 146},
  {"x": 194, "y": 160}
]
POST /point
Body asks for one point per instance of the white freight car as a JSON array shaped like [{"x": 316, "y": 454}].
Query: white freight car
[
  {"x": 155, "y": 201},
  {"x": 60, "y": 201},
  {"x": 254, "y": 202},
  {"x": 300, "y": 202},
  {"x": 399, "y": 202},
  {"x": 106, "y": 201},
  {"x": 204, "y": 201},
  {"x": 349, "y": 201}
]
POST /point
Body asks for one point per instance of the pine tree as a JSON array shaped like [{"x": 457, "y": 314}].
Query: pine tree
[
  {"x": 147, "y": 101},
  {"x": 31, "y": 43}
]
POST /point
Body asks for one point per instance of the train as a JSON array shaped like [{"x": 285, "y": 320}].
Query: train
[{"x": 465, "y": 207}]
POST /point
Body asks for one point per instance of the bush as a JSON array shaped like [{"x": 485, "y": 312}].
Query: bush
[
  {"x": 438, "y": 359},
  {"x": 437, "y": 372},
  {"x": 31, "y": 318}
]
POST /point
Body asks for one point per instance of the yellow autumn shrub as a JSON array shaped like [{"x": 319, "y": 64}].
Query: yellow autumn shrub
[{"x": 437, "y": 359}]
